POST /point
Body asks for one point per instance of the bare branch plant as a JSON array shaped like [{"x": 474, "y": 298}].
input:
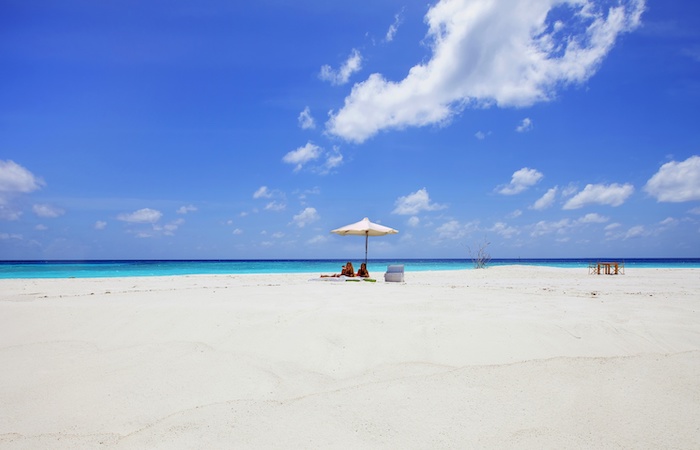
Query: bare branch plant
[{"x": 481, "y": 257}]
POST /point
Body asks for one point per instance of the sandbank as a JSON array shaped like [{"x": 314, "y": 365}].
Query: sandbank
[{"x": 507, "y": 357}]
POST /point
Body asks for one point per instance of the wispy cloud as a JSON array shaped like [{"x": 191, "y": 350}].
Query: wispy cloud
[
  {"x": 394, "y": 27},
  {"x": 275, "y": 206},
  {"x": 309, "y": 156},
  {"x": 262, "y": 192},
  {"x": 306, "y": 121},
  {"x": 145, "y": 215},
  {"x": 169, "y": 228},
  {"x": 525, "y": 125},
  {"x": 487, "y": 52},
  {"x": 341, "y": 76},
  {"x": 186, "y": 209},
  {"x": 636, "y": 232},
  {"x": 692, "y": 52},
  {"x": 615, "y": 231},
  {"x": 593, "y": 218},
  {"x": 304, "y": 194},
  {"x": 47, "y": 211},
  {"x": 455, "y": 230},
  {"x": 334, "y": 159},
  {"x": 563, "y": 227},
  {"x": 504, "y": 230},
  {"x": 669, "y": 222},
  {"x": 318, "y": 239},
  {"x": 547, "y": 227}
]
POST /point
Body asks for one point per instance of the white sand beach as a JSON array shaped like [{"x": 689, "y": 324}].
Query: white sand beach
[{"x": 507, "y": 357}]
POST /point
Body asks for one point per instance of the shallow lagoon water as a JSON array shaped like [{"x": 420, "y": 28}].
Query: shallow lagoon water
[{"x": 136, "y": 268}]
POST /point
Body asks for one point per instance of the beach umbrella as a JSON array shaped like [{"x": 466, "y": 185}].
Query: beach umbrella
[{"x": 364, "y": 228}]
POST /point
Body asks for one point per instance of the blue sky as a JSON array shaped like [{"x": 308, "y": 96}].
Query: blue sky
[{"x": 218, "y": 129}]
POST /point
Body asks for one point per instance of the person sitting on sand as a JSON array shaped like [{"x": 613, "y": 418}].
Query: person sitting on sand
[
  {"x": 347, "y": 270},
  {"x": 362, "y": 271}
]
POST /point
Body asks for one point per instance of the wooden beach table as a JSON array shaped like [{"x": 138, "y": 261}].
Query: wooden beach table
[{"x": 607, "y": 268}]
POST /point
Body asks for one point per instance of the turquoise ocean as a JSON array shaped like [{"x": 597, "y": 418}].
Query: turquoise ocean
[{"x": 137, "y": 268}]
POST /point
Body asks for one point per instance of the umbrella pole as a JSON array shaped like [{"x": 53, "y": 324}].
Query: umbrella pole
[{"x": 366, "y": 239}]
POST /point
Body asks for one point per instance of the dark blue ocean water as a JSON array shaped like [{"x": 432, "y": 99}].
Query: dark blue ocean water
[{"x": 106, "y": 269}]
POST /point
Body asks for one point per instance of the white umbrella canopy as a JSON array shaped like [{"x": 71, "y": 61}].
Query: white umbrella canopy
[{"x": 364, "y": 228}]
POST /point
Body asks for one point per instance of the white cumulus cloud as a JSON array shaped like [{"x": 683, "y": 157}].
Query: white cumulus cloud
[
  {"x": 676, "y": 181},
  {"x": 416, "y": 202},
  {"x": 303, "y": 155},
  {"x": 305, "y": 217},
  {"x": 522, "y": 179},
  {"x": 601, "y": 194},
  {"x": 508, "y": 53},
  {"x": 546, "y": 200},
  {"x": 16, "y": 179}
]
